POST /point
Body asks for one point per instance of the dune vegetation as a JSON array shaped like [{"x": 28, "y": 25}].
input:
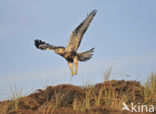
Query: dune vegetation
[{"x": 101, "y": 98}]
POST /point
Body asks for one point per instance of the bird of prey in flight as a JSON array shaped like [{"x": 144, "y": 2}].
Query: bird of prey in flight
[{"x": 70, "y": 51}]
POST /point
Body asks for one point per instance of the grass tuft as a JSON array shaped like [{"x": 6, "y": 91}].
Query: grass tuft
[{"x": 106, "y": 96}]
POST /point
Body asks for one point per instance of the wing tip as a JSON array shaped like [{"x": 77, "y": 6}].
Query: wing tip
[
  {"x": 93, "y": 12},
  {"x": 38, "y": 42}
]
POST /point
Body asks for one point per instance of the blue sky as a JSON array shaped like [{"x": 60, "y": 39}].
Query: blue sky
[{"x": 122, "y": 32}]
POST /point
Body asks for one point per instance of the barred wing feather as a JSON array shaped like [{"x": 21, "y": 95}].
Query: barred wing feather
[{"x": 77, "y": 34}]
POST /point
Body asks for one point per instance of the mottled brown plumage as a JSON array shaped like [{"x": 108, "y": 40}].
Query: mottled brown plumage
[{"x": 70, "y": 51}]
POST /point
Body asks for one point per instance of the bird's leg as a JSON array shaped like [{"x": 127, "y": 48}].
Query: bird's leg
[
  {"x": 76, "y": 64},
  {"x": 71, "y": 67}
]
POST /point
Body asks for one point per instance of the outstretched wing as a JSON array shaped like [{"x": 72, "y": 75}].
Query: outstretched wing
[
  {"x": 77, "y": 34},
  {"x": 44, "y": 46}
]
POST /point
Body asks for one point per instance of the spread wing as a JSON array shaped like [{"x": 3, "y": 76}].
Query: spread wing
[
  {"x": 77, "y": 34},
  {"x": 44, "y": 46}
]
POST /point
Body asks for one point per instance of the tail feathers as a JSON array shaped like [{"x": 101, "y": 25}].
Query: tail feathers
[
  {"x": 42, "y": 45},
  {"x": 85, "y": 55}
]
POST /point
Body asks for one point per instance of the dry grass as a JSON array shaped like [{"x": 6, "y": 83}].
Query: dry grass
[
  {"x": 150, "y": 89},
  {"x": 12, "y": 104},
  {"x": 16, "y": 96},
  {"x": 54, "y": 103},
  {"x": 3, "y": 108},
  {"x": 102, "y": 98},
  {"x": 114, "y": 97}
]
